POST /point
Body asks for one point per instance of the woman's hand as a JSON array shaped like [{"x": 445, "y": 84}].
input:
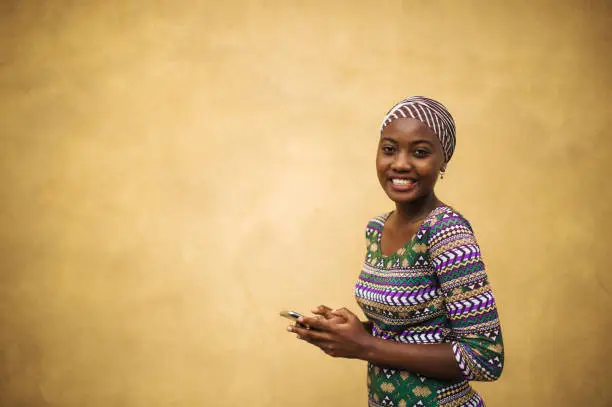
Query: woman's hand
[
  {"x": 339, "y": 333},
  {"x": 324, "y": 311}
]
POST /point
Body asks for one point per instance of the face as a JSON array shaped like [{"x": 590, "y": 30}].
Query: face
[{"x": 408, "y": 160}]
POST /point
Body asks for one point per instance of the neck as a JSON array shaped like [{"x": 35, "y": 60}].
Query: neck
[{"x": 410, "y": 212}]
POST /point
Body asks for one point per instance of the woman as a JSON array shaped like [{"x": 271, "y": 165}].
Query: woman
[{"x": 432, "y": 321}]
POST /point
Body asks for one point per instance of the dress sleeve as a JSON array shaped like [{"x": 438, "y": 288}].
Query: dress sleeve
[{"x": 470, "y": 305}]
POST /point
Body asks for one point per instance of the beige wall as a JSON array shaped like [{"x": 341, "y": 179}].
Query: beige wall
[{"x": 175, "y": 173}]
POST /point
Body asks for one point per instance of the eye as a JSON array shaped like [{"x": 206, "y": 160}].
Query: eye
[
  {"x": 421, "y": 152},
  {"x": 387, "y": 149}
]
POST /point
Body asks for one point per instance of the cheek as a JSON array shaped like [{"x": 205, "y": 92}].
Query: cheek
[
  {"x": 380, "y": 163},
  {"x": 428, "y": 169},
  {"x": 381, "y": 172}
]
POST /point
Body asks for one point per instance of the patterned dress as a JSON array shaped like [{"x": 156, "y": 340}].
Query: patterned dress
[{"x": 432, "y": 290}]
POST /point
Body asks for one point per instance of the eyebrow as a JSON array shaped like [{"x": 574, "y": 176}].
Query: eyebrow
[{"x": 421, "y": 141}]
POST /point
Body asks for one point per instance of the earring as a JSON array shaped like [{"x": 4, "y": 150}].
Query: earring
[{"x": 442, "y": 174}]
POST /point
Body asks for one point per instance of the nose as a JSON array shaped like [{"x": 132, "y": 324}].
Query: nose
[{"x": 401, "y": 162}]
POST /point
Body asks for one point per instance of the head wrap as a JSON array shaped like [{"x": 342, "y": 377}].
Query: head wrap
[{"x": 430, "y": 112}]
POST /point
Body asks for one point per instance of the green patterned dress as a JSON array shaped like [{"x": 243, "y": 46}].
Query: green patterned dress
[{"x": 432, "y": 290}]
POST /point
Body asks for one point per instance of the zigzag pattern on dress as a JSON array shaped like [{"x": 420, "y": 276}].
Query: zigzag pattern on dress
[
  {"x": 433, "y": 290},
  {"x": 408, "y": 317},
  {"x": 456, "y": 280},
  {"x": 483, "y": 328},
  {"x": 416, "y": 297}
]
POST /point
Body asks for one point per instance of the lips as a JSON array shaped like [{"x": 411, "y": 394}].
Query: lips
[{"x": 402, "y": 184}]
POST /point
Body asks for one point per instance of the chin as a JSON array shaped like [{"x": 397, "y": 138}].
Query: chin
[{"x": 402, "y": 198}]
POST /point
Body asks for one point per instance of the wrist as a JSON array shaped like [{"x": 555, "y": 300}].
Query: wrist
[{"x": 368, "y": 347}]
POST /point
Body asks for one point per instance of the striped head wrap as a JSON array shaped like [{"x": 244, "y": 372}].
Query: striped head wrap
[{"x": 430, "y": 112}]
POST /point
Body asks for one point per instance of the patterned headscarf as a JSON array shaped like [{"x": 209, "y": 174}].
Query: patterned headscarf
[{"x": 430, "y": 112}]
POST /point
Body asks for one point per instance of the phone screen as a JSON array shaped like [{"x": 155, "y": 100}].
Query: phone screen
[{"x": 292, "y": 315}]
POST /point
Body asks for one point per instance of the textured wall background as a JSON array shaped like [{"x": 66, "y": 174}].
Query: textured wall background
[{"x": 176, "y": 172}]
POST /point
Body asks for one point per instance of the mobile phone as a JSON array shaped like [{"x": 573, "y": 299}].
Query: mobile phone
[{"x": 292, "y": 315}]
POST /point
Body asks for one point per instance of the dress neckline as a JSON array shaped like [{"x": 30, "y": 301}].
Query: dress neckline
[{"x": 435, "y": 211}]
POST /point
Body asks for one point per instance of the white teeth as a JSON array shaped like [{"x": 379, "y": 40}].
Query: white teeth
[{"x": 398, "y": 181}]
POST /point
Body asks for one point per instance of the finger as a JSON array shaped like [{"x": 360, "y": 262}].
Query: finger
[
  {"x": 323, "y": 310},
  {"x": 309, "y": 334},
  {"x": 329, "y": 349},
  {"x": 344, "y": 313},
  {"x": 300, "y": 332},
  {"x": 317, "y": 322}
]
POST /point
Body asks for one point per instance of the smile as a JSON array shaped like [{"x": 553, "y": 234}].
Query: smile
[
  {"x": 402, "y": 184},
  {"x": 402, "y": 181}
]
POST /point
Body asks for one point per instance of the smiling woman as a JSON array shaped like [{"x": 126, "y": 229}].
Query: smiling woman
[
  {"x": 408, "y": 161},
  {"x": 432, "y": 319}
]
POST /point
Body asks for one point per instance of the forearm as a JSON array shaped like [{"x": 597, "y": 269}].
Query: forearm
[{"x": 435, "y": 360}]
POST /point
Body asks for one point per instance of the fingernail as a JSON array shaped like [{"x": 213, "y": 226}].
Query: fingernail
[{"x": 290, "y": 328}]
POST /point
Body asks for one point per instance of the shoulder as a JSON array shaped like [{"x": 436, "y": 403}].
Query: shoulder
[
  {"x": 451, "y": 239},
  {"x": 375, "y": 225},
  {"x": 446, "y": 217},
  {"x": 447, "y": 224}
]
